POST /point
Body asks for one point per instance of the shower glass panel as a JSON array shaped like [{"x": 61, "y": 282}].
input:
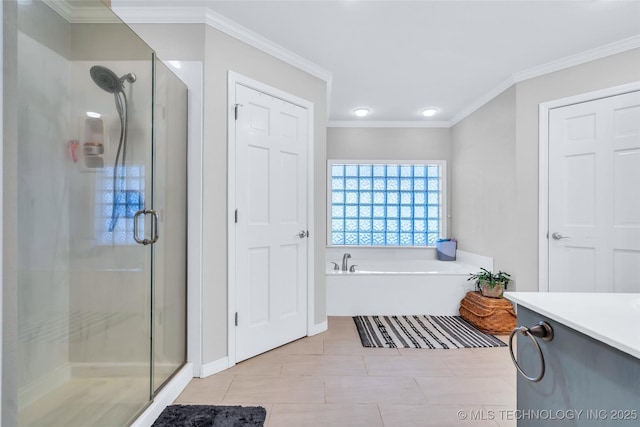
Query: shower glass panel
[
  {"x": 170, "y": 200},
  {"x": 90, "y": 298}
]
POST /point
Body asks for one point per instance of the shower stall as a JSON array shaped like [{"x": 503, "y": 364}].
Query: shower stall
[{"x": 100, "y": 215}]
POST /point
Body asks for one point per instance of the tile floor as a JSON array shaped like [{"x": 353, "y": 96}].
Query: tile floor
[{"x": 331, "y": 380}]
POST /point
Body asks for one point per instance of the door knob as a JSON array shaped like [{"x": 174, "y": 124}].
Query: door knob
[
  {"x": 558, "y": 236},
  {"x": 303, "y": 233}
]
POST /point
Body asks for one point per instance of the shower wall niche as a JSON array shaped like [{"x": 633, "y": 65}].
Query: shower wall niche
[{"x": 101, "y": 318}]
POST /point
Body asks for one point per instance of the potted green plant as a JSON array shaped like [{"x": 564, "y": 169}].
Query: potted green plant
[{"x": 490, "y": 284}]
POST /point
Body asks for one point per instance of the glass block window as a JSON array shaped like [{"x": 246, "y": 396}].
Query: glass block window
[
  {"x": 386, "y": 204},
  {"x": 114, "y": 224}
]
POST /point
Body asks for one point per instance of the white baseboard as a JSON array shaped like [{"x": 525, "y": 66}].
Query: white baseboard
[
  {"x": 214, "y": 367},
  {"x": 167, "y": 395},
  {"x": 319, "y": 328}
]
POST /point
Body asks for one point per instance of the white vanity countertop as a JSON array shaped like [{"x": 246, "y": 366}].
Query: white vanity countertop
[{"x": 613, "y": 319}]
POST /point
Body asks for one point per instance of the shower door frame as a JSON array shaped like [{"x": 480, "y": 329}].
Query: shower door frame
[
  {"x": 154, "y": 170},
  {"x": 1, "y": 202}
]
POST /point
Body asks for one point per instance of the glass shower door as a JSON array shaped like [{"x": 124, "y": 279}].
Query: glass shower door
[
  {"x": 84, "y": 169},
  {"x": 170, "y": 201}
]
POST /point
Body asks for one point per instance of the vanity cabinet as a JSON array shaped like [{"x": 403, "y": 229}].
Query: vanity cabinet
[{"x": 587, "y": 382}]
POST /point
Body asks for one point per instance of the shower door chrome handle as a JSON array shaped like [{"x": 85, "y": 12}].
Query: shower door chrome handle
[
  {"x": 154, "y": 227},
  {"x": 135, "y": 227}
]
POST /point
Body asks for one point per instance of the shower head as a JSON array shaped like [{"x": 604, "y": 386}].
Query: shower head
[
  {"x": 106, "y": 79},
  {"x": 128, "y": 77}
]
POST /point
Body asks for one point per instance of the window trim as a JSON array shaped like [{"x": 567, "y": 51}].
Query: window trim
[{"x": 443, "y": 197}]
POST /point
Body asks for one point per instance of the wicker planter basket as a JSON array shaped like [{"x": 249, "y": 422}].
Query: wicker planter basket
[{"x": 490, "y": 315}]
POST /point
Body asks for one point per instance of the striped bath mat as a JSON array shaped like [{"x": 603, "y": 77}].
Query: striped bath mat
[{"x": 421, "y": 332}]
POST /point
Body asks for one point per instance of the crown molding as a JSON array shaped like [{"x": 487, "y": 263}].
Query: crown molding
[
  {"x": 387, "y": 124},
  {"x": 203, "y": 15},
  {"x": 200, "y": 15},
  {"x": 550, "y": 67},
  {"x": 484, "y": 99},
  {"x": 579, "y": 58},
  {"x": 161, "y": 15},
  {"x": 229, "y": 27},
  {"x": 81, "y": 14}
]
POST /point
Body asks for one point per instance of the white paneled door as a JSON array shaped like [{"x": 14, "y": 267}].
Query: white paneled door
[
  {"x": 271, "y": 228},
  {"x": 594, "y": 196}
]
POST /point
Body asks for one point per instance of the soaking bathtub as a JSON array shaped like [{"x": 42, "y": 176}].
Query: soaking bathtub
[{"x": 400, "y": 286}]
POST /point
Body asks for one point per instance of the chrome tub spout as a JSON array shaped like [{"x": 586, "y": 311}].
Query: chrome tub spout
[{"x": 345, "y": 259}]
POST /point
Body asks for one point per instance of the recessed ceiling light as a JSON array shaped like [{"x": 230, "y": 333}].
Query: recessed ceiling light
[
  {"x": 361, "y": 112},
  {"x": 175, "y": 64},
  {"x": 429, "y": 112},
  {"x": 93, "y": 114}
]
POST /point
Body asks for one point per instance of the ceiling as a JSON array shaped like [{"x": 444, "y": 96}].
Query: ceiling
[{"x": 398, "y": 57}]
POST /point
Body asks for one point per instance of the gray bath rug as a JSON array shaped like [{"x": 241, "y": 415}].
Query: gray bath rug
[
  {"x": 211, "y": 416},
  {"x": 443, "y": 332}
]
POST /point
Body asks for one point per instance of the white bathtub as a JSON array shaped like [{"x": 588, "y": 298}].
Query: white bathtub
[{"x": 398, "y": 286}]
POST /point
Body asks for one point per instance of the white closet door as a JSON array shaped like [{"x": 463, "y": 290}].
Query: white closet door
[
  {"x": 271, "y": 232},
  {"x": 594, "y": 196}
]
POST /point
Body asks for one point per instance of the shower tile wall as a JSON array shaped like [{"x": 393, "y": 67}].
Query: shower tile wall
[
  {"x": 43, "y": 203},
  {"x": 109, "y": 290}
]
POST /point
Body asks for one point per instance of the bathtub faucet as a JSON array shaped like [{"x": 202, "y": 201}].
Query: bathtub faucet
[{"x": 345, "y": 257}]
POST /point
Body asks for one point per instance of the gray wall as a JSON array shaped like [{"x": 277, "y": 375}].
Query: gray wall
[
  {"x": 483, "y": 184},
  {"x": 391, "y": 144},
  {"x": 92, "y": 42},
  {"x": 224, "y": 53},
  {"x": 221, "y": 54},
  {"x": 180, "y": 42},
  {"x": 388, "y": 143},
  {"x": 604, "y": 73},
  {"x": 505, "y": 132}
]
